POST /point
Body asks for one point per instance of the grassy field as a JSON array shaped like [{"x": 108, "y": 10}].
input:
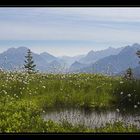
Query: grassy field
[{"x": 24, "y": 97}]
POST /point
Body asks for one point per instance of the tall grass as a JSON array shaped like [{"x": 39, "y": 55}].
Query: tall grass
[{"x": 127, "y": 94}]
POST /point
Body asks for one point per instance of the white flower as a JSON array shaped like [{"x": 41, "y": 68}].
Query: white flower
[
  {"x": 5, "y": 92},
  {"x": 25, "y": 82},
  {"x": 117, "y": 110},
  {"x": 121, "y": 82},
  {"x": 121, "y": 93},
  {"x": 43, "y": 86},
  {"x": 138, "y": 103},
  {"x": 135, "y": 106},
  {"x": 129, "y": 95}
]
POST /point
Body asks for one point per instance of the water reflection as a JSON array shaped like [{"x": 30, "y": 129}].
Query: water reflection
[{"x": 90, "y": 118}]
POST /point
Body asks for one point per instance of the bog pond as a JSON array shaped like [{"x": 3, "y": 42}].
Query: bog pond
[{"x": 92, "y": 118}]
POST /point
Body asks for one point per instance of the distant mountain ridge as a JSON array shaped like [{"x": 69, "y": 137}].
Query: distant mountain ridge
[
  {"x": 94, "y": 56},
  {"x": 70, "y": 60},
  {"x": 14, "y": 58},
  {"x": 109, "y": 61},
  {"x": 115, "y": 63},
  {"x": 77, "y": 66},
  {"x": 48, "y": 57}
]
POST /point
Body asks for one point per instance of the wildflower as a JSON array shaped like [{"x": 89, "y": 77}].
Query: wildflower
[
  {"x": 30, "y": 93},
  {"x": 43, "y": 86},
  {"x": 121, "y": 93},
  {"x": 121, "y": 82},
  {"x": 135, "y": 106},
  {"x": 25, "y": 82},
  {"x": 4, "y": 92},
  {"x": 117, "y": 110},
  {"x": 138, "y": 103},
  {"x": 129, "y": 95}
]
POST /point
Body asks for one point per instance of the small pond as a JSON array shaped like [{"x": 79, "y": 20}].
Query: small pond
[{"x": 90, "y": 119}]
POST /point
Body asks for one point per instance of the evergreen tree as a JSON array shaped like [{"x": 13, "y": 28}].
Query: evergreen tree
[
  {"x": 29, "y": 63},
  {"x": 138, "y": 54},
  {"x": 129, "y": 74}
]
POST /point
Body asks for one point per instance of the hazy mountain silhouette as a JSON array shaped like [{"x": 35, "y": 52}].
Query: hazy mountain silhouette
[
  {"x": 124, "y": 57},
  {"x": 70, "y": 60},
  {"x": 77, "y": 66},
  {"x": 48, "y": 57},
  {"x": 116, "y": 63},
  {"x": 94, "y": 56},
  {"x": 14, "y": 58}
]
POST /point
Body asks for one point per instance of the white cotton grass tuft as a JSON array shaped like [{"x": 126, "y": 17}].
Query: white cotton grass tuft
[
  {"x": 135, "y": 106},
  {"x": 129, "y": 95},
  {"x": 118, "y": 110},
  {"x": 44, "y": 86}
]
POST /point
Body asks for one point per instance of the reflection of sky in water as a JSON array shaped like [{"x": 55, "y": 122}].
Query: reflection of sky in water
[{"x": 93, "y": 119}]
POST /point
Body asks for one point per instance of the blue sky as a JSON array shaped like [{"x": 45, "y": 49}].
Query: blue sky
[{"x": 68, "y": 31}]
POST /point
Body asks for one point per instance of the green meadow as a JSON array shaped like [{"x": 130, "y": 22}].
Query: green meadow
[{"x": 24, "y": 97}]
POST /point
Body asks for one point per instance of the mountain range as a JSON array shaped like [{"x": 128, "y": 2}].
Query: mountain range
[
  {"x": 115, "y": 64},
  {"x": 108, "y": 61},
  {"x": 94, "y": 56}
]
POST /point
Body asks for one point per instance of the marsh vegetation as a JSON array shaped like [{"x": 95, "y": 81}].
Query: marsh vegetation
[{"x": 91, "y": 99}]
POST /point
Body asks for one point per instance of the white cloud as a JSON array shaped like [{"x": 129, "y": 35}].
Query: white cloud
[
  {"x": 99, "y": 25},
  {"x": 15, "y": 31}
]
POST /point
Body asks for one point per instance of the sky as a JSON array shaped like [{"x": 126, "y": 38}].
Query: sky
[{"x": 68, "y": 31}]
